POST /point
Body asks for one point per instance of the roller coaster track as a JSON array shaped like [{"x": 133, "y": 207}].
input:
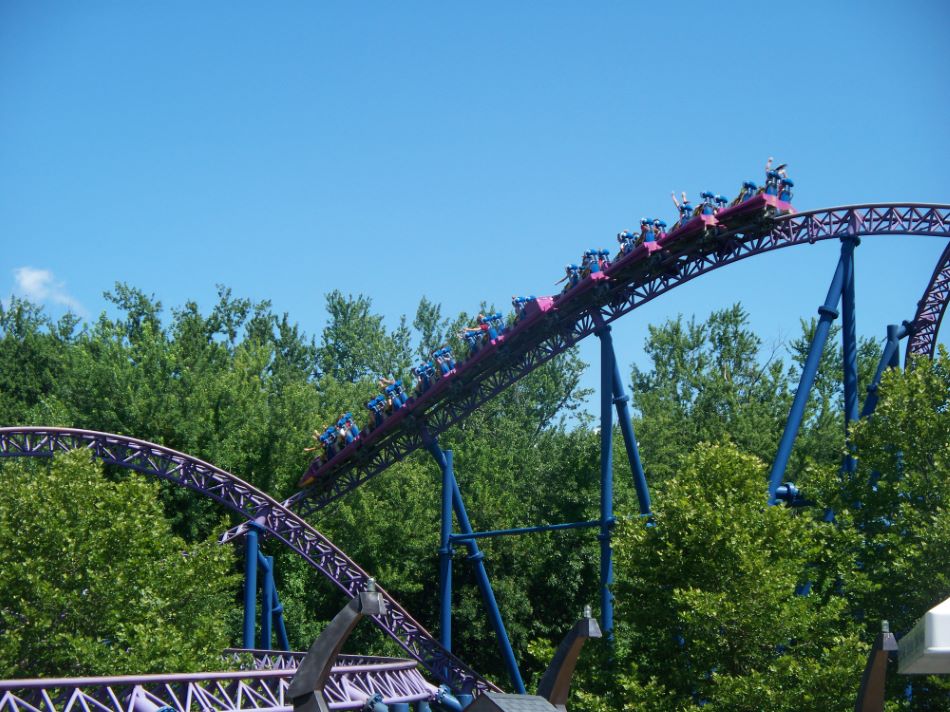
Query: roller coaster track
[
  {"x": 253, "y": 505},
  {"x": 352, "y": 681},
  {"x": 631, "y": 284},
  {"x": 930, "y": 310}
]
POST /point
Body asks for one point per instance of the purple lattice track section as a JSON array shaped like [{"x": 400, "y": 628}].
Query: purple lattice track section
[
  {"x": 266, "y": 659},
  {"x": 253, "y": 505},
  {"x": 352, "y": 681},
  {"x": 631, "y": 285},
  {"x": 930, "y": 310}
]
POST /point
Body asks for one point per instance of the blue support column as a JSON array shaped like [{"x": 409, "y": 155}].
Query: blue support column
[
  {"x": 606, "y": 480},
  {"x": 481, "y": 574},
  {"x": 445, "y": 556},
  {"x": 827, "y": 313},
  {"x": 267, "y": 601},
  {"x": 621, "y": 401},
  {"x": 849, "y": 348},
  {"x": 250, "y": 587}
]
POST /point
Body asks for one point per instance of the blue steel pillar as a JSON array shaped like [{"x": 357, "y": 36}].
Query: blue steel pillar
[
  {"x": 606, "y": 479},
  {"x": 478, "y": 560},
  {"x": 621, "y": 401},
  {"x": 827, "y": 313},
  {"x": 849, "y": 348},
  {"x": 445, "y": 556},
  {"x": 250, "y": 586}
]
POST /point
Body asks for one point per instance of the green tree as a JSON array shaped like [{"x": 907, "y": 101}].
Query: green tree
[
  {"x": 708, "y": 382},
  {"x": 431, "y": 328},
  {"x": 355, "y": 344},
  {"x": 892, "y": 516},
  {"x": 33, "y": 352},
  {"x": 712, "y": 381},
  {"x": 93, "y": 582},
  {"x": 706, "y": 606}
]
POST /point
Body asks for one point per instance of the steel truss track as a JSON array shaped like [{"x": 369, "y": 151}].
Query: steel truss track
[
  {"x": 930, "y": 310},
  {"x": 629, "y": 287},
  {"x": 352, "y": 681},
  {"x": 254, "y": 506}
]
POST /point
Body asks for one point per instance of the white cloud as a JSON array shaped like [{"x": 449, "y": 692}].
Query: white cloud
[{"x": 40, "y": 286}]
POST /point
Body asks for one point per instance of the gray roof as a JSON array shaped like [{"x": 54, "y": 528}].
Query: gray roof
[{"x": 511, "y": 703}]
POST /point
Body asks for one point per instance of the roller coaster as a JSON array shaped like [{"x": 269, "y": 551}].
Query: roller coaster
[{"x": 550, "y": 327}]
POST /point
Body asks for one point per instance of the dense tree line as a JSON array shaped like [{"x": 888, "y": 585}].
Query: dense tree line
[{"x": 708, "y": 604}]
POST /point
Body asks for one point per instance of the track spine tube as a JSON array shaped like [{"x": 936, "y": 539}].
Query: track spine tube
[
  {"x": 827, "y": 313},
  {"x": 607, "y": 363},
  {"x": 481, "y": 574},
  {"x": 250, "y": 587}
]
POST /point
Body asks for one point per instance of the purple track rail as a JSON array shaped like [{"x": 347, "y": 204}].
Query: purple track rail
[
  {"x": 352, "y": 681},
  {"x": 631, "y": 283},
  {"x": 930, "y": 310},
  {"x": 253, "y": 505}
]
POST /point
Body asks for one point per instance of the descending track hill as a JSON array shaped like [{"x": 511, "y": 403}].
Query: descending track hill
[
  {"x": 253, "y": 505},
  {"x": 627, "y": 284}
]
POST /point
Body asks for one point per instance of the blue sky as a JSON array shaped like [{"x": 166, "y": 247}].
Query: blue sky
[{"x": 461, "y": 151}]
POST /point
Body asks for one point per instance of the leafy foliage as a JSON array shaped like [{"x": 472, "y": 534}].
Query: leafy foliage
[
  {"x": 893, "y": 515},
  {"x": 711, "y": 382},
  {"x": 93, "y": 582},
  {"x": 707, "y": 610},
  {"x": 707, "y": 613}
]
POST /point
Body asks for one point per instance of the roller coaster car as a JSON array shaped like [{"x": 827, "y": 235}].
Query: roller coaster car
[
  {"x": 680, "y": 238},
  {"x": 753, "y": 209},
  {"x": 535, "y": 308},
  {"x": 487, "y": 347},
  {"x": 638, "y": 253},
  {"x": 319, "y": 466},
  {"x": 310, "y": 476},
  {"x": 583, "y": 286}
]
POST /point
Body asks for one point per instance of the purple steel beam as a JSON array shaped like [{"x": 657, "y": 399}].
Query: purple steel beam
[
  {"x": 630, "y": 286},
  {"x": 930, "y": 310},
  {"x": 352, "y": 681},
  {"x": 252, "y": 504}
]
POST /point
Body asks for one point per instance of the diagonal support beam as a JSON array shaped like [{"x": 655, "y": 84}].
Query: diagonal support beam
[
  {"x": 890, "y": 358},
  {"x": 827, "y": 313}
]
